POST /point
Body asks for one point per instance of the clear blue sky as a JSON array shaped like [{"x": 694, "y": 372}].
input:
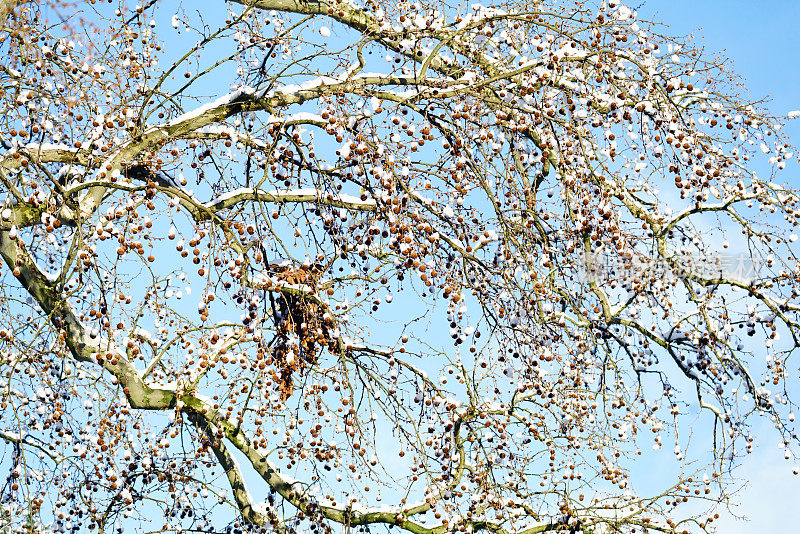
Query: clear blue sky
[{"x": 762, "y": 38}]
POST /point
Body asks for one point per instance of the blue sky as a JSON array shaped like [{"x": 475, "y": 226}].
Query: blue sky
[{"x": 762, "y": 38}]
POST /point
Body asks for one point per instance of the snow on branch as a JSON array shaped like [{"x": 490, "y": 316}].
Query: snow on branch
[{"x": 290, "y": 195}]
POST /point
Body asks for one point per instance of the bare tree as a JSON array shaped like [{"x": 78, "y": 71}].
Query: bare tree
[{"x": 426, "y": 267}]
